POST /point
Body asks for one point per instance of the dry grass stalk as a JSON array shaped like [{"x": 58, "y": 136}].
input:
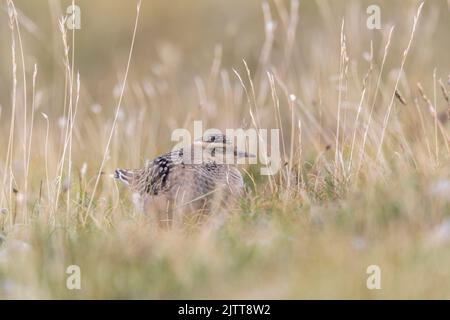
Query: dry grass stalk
[
  {"x": 119, "y": 105},
  {"x": 434, "y": 115},
  {"x": 400, "y": 72}
]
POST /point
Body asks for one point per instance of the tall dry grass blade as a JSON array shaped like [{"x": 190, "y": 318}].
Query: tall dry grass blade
[
  {"x": 255, "y": 123},
  {"x": 405, "y": 54},
  {"x": 47, "y": 179},
  {"x": 436, "y": 144},
  {"x": 8, "y": 172},
  {"x": 24, "y": 84},
  {"x": 269, "y": 28},
  {"x": 276, "y": 106},
  {"x": 338, "y": 153},
  {"x": 71, "y": 117},
  {"x": 445, "y": 94},
  {"x": 355, "y": 130},
  {"x": 434, "y": 115},
  {"x": 290, "y": 33},
  {"x": 372, "y": 108},
  {"x": 119, "y": 105},
  {"x": 67, "y": 114},
  {"x": 30, "y": 137},
  {"x": 422, "y": 124}
]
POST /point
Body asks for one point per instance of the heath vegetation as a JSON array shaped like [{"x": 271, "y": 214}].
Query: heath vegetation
[{"x": 363, "y": 115}]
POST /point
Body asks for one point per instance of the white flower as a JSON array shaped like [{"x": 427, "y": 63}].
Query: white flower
[
  {"x": 96, "y": 108},
  {"x": 271, "y": 26},
  {"x": 120, "y": 115},
  {"x": 83, "y": 169},
  {"x": 62, "y": 122}
]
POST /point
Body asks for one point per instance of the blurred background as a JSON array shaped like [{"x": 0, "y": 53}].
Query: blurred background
[
  {"x": 177, "y": 41},
  {"x": 180, "y": 44},
  {"x": 185, "y": 50}
]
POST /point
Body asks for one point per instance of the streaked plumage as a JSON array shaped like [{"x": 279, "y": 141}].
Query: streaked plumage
[{"x": 175, "y": 182}]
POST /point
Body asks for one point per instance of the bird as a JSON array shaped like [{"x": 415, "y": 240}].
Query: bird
[{"x": 187, "y": 179}]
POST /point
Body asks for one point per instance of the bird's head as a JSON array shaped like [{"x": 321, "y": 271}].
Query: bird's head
[{"x": 218, "y": 148}]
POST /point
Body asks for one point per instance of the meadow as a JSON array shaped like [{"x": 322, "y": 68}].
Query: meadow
[{"x": 364, "y": 128}]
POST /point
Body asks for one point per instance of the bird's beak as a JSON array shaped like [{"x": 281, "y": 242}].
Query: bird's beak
[
  {"x": 244, "y": 154},
  {"x": 199, "y": 143}
]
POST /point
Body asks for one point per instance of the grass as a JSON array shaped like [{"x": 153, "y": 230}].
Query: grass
[{"x": 364, "y": 140}]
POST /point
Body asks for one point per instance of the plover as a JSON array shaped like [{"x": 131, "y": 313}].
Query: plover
[{"x": 188, "y": 179}]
